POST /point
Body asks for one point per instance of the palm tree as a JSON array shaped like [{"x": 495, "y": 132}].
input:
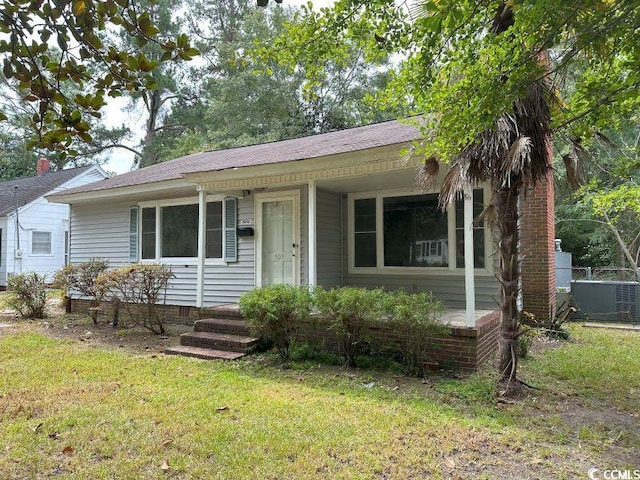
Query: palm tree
[{"x": 512, "y": 156}]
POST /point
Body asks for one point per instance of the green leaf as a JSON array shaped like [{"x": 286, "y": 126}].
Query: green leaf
[{"x": 79, "y": 7}]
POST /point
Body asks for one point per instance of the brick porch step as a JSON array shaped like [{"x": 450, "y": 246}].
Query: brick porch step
[
  {"x": 222, "y": 325},
  {"x": 221, "y": 332},
  {"x": 218, "y": 341},
  {"x": 231, "y": 311},
  {"x": 204, "y": 353}
]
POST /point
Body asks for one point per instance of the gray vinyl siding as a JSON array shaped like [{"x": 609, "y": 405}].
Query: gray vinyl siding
[
  {"x": 103, "y": 232},
  {"x": 99, "y": 231},
  {"x": 328, "y": 242},
  {"x": 182, "y": 287},
  {"x": 448, "y": 288},
  {"x": 226, "y": 283}
]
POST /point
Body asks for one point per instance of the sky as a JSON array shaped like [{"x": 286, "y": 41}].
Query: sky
[{"x": 121, "y": 160}]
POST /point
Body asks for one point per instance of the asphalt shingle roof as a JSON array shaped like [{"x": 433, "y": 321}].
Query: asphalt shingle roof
[
  {"x": 31, "y": 188},
  {"x": 313, "y": 146}
]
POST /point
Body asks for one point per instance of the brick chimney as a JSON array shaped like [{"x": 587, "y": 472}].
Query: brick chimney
[
  {"x": 537, "y": 244},
  {"x": 42, "y": 166}
]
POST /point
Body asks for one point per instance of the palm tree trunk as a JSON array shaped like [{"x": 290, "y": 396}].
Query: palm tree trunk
[{"x": 506, "y": 206}]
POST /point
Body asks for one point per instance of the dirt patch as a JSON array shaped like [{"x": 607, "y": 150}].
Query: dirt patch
[{"x": 80, "y": 327}]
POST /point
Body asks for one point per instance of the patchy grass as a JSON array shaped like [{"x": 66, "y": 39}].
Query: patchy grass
[
  {"x": 72, "y": 410},
  {"x": 597, "y": 365}
]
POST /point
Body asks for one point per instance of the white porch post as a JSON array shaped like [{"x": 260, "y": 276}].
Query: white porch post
[
  {"x": 311, "y": 223},
  {"x": 202, "y": 233},
  {"x": 469, "y": 280}
]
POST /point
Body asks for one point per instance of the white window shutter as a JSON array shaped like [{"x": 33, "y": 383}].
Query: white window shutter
[
  {"x": 230, "y": 229},
  {"x": 133, "y": 234}
]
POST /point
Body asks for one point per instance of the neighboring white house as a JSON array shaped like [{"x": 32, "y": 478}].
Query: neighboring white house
[{"x": 34, "y": 233}]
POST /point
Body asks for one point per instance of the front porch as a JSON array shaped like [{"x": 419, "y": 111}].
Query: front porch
[
  {"x": 366, "y": 226},
  {"x": 222, "y": 333}
]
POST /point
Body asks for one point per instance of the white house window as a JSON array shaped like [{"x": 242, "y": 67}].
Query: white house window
[
  {"x": 41, "y": 243},
  {"x": 176, "y": 226},
  {"x": 179, "y": 227},
  {"x": 365, "y": 232},
  {"x": 214, "y": 230},
  {"x": 415, "y": 232},
  {"x": 390, "y": 232},
  {"x": 148, "y": 233}
]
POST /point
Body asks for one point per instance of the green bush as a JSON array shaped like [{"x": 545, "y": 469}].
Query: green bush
[
  {"x": 273, "y": 313},
  {"x": 415, "y": 317},
  {"x": 351, "y": 311},
  {"x": 138, "y": 289},
  {"x": 81, "y": 277},
  {"x": 27, "y": 294}
]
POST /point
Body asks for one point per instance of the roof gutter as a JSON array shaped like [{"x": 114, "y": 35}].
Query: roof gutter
[{"x": 100, "y": 194}]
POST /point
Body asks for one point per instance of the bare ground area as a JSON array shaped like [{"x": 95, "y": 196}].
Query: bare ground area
[{"x": 80, "y": 327}]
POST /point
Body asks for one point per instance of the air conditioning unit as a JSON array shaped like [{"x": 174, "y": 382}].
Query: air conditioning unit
[
  {"x": 18, "y": 253},
  {"x": 608, "y": 300}
]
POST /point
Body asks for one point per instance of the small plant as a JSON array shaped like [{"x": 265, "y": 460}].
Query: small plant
[
  {"x": 556, "y": 328},
  {"x": 81, "y": 277},
  {"x": 274, "y": 311},
  {"x": 525, "y": 340},
  {"x": 138, "y": 289},
  {"x": 351, "y": 311},
  {"x": 416, "y": 319},
  {"x": 27, "y": 294}
]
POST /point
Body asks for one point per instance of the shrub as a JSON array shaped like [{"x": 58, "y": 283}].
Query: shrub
[
  {"x": 415, "y": 318},
  {"x": 274, "y": 311},
  {"x": 138, "y": 289},
  {"x": 351, "y": 311},
  {"x": 81, "y": 277},
  {"x": 27, "y": 294}
]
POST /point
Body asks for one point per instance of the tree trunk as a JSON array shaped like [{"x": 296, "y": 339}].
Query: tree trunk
[
  {"x": 506, "y": 208},
  {"x": 153, "y": 102}
]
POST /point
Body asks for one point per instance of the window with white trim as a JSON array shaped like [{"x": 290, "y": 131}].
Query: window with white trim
[
  {"x": 171, "y": 231},
  {"x": 410, "y": 231},
  {"x": 40, "y": 243}
]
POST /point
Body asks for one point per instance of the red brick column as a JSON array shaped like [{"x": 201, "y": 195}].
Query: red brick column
[{"x": 537, "y": 242}]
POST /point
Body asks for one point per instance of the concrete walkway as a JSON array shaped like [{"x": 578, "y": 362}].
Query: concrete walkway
[{"x": 613, "y": 326}]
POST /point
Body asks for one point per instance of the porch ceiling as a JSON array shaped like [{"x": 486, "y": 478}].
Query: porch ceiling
[{"x": 405, "y": 179}]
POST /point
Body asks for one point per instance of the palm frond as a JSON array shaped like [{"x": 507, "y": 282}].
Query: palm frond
[
  {"x": 453, "y": 185},
  {"x": 516, "y": 159},
  {"x": 427, "y": 174}
]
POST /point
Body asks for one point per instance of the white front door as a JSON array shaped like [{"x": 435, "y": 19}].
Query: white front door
[{"x": 278, "y": 238}]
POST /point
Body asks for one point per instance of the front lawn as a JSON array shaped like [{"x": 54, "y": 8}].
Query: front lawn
[{"x": 73, "y": 410}]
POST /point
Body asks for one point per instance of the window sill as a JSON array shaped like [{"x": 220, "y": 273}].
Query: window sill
[
  {"x": 210, "y": 262},
  {"x": 187, "y": 261}
]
